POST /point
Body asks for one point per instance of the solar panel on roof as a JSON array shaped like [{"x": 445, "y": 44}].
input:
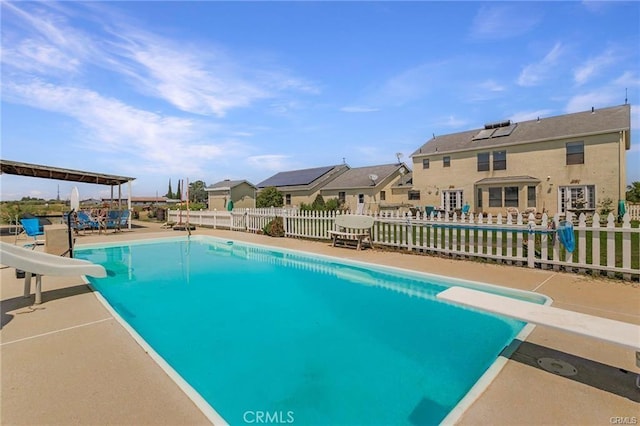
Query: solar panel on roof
[
  {"x": 295, "y": 177},
  {"x": 504, "y": 131},
  {"x": 484, "y": 134}
]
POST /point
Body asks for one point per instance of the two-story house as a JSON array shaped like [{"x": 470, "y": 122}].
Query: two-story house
[{"x": 573, "y": 162}]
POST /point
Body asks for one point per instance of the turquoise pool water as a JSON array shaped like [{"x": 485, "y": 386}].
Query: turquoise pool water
[{"x": 303, "y": 339}]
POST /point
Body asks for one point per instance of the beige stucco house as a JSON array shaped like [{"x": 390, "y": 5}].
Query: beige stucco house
[
  {"x": 363, "y": 189},
  {"x": 302, "y": 186},
  {"x": 229, "y": 194},
  {"x": 573, "y": 162}
]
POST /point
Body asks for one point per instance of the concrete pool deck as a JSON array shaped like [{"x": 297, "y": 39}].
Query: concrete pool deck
[{"x": 67, "y": 361}]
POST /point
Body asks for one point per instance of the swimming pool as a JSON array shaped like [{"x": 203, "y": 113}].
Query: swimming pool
[{"x": 301, "y": 338}]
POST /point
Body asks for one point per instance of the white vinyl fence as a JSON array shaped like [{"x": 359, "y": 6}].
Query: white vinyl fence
[
  {"x": 600, "y": 247},
  {"x": 634, "y": 211}
]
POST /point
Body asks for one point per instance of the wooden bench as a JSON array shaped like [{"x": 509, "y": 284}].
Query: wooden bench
[{"x": 352, "y": 227}]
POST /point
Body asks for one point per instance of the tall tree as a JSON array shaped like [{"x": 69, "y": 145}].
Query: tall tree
[
  {"x": 169, "y": 194},
  {"x": 179, "y": 192},
  {"x": 197, "y": 192}
]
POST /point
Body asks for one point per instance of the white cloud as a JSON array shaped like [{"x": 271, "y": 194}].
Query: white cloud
[
  {"x": 146, "y": 140},
  {"x": 534, "y": 73},
  {"x": 491, "y": 86},
  {"x": 270, "y": 162},
  {"x": 451, "y": 121},
  {"x": 597, "y": 6},
  {"x": 503, "y": 21},
  {"x": 628, "y": 79},
  {"x": 357, "y": 109},
  {"x": 409, "y": 85},
  {"x": 199, "y": 79},
  {"x": 521, "y": 116},
  {"x": 597, "y": 99},
  {"x": 593, "y": 66}
]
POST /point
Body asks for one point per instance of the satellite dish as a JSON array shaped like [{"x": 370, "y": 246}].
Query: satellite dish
[{"x": 373, "y": 178}]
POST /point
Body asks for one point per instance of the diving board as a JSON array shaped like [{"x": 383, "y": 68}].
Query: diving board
[
  {"x": 608, "y": 330},
  {"x": 39, "y": 264}
]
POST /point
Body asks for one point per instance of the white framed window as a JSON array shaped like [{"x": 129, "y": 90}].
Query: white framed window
[
  {"x": 452, "y": 199},
  {"x": 576, "y": 197}
]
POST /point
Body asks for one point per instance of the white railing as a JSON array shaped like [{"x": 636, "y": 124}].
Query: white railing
[
  {"x": 599, "y": 247},
  {"x": 634, "y": 211}
]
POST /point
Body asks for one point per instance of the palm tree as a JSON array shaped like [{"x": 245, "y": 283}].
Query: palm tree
[{"x": 633, "y": 192}]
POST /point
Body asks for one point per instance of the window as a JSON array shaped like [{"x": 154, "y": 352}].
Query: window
[
  {"x": 383, "y": 196},
  {"x": 479, "y": 198},
  {"x": 341, "y": 197},
  {"x": 495, "y": 197},
  {"x": 452, "y": 199},
  {"x": 575, "y": 153},
  {"x": 425, "y": 163},
  {"x": 499, "y": 160},
  {"x": 287, "y": 199},
  {"x": 360, "y": 198},
  {"x": 531, "y": 196},
  {"x": 577, "y": 197},
  {"x": 446, "y": 161},
  {"x": 483, "y": 161},
  {"x": 511, "y": 196},
  {"x": 414, "y": 195}
]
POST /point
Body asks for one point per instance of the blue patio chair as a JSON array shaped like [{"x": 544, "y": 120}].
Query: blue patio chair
[
  {"x": 112, "y": 221},
  {"x": 466, "y": 208},
  {"x": 429, "y": 210},
  {"x": 32, "y": 228},
  {"x": 85, "y": 221},
  {"x": 124, "y": 219}
]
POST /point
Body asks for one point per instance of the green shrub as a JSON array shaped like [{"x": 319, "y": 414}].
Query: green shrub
[{"x": 275, "y": 228}]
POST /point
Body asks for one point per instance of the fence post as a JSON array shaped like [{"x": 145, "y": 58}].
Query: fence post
[
  {"x": 556, "y": 243},
  {"x": 611, "y": 244},
  {"x": 531, "y": 242},
  {"x": 409, "y": 233},
  {"x": 479, "y": 237},
  {"x": 582, "y": 242},
  {"x": 498, "y": 236},
  {"x": 595, "y": 241},
  {"x": 544, "y": 242},
  {"x": 626, "y": 245},
  {"x": 519, "y": 239}
]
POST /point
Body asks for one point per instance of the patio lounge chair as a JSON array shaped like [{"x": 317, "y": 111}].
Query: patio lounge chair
[
  {"x": 124, "y": 219},
  {"x": 112, "y": 220},
  {"x": 32, "y": 228},
  {"x": 87, "y": 222}
]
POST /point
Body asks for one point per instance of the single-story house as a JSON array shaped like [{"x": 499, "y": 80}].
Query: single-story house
[
  {"x": 302, "y": 186},
  {"x": 229, "y": 194},
  {"x": 363, "y": 189}
]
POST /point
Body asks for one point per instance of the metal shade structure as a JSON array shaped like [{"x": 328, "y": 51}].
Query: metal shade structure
[{"x": 58, "y": 173}]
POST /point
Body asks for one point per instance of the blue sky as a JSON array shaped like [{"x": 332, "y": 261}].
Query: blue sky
[{"x": 242, "y": 90}]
